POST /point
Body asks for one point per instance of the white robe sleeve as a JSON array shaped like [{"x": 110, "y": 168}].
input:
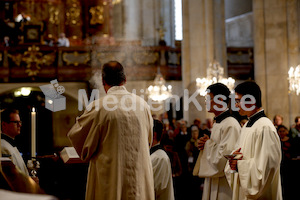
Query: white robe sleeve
[
  {"x": 82, "y": 134},
  {"x": 212, "y": 161},
  {"x": 256, "y": 173}
]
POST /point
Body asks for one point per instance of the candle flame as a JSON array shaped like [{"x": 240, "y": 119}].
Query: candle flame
[{"x": 33, "y": 109}]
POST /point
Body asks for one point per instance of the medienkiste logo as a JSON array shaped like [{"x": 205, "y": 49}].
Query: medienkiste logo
[{"x": 53, "y": 99}]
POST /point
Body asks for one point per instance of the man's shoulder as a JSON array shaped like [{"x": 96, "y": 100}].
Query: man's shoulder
[
  {"x": 6, "y": 146},
  {"x": 4, "y": 143},
  {"x": 264, "y": 123},
  {"x": 230, "y": 121},
  {"x": 160, "y": 156}
]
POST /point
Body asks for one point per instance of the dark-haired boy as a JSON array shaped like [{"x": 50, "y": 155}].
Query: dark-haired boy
[
  {"x": 258, "y": 166},
  {"x": 224, "y": 134},
  {"x": 162, "y": 171}
]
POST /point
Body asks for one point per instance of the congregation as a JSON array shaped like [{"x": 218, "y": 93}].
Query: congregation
[{"x": 184, "y": 161}]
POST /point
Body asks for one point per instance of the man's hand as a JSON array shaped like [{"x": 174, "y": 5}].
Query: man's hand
[
  {"x": 233, "y": 162},
  {"x": 201, "y": 142}
]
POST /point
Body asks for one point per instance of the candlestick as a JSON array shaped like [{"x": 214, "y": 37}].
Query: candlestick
[{"x": 33, "y": 132}]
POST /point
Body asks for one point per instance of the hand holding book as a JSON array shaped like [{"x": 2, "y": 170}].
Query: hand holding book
[{"x": 232, "y": 158}]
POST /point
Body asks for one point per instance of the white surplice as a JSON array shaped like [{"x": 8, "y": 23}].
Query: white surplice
[
  {"x": 115, "y": 140},
  {"x": 211, "y": 161},
  {"x": 162, "y": 171},
  {"x": 15, "y": 156},
  {"x": 258, "y": 174}
]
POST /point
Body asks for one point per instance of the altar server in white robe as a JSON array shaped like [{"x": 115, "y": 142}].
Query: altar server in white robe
[
  {"x": 162, "y": 171},
  {"x": 11, "y": 127},
  {"x": 258, "y": 166},
  {"x": 225, "y": 132},
  {"x": 115, "y": 138}
]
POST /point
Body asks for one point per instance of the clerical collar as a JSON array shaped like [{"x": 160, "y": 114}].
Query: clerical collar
[
  {"x": 155, "y": 148},
  {"x": 222, "y": 116},
  {"x": 8, "y": 139},
  {"x": 255, "y": 117}
]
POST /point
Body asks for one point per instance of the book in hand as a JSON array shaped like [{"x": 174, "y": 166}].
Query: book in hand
[
  {"x": 69, "y": 155},
  {"x": 232, "y": 156}
]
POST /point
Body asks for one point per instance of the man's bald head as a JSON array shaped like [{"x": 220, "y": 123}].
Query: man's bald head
[{"x": 113, "y": 74}]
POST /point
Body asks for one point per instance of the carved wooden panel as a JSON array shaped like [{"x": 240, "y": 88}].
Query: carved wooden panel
[{"x": 43, "y": 63}]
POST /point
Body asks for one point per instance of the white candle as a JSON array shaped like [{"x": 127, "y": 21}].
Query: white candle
[
  {"x": 0, "y": 134},
  {"x": 33, "y": 132}
]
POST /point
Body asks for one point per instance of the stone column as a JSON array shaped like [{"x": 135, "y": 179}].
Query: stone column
[
  {"x": 167, "y": 15},
  {"x": 132, "y": 20},
  {"x": 276, "y": 42},
  {"x": 149, "y": 25},
  {"x": 203, "y": 40},
  {"x": 219, "y": 34},
  {"x": 293, "y": 18}
]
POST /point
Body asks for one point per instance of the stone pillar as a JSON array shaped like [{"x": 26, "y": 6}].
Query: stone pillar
[
  {"x": 203, "y": 40},
  {"x": 293, "y": 18},
  {"x": 149, "y": 25},
  {"x": 117, "y": 21},
  {"x": 167, "y": 15},
  {"x": 219, "y": 34},
  {"x": 276, "y": 42},
  {"x": 132, "y": 20}
]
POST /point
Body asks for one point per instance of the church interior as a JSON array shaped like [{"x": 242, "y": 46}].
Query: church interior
[{"x": 66, "y": 42}]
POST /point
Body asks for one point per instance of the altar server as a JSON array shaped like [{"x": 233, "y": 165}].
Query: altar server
[
  {"x": 162, "y": 171},
  {"x": 258, "y": 166},
  {"x": 224, "y": 134}
]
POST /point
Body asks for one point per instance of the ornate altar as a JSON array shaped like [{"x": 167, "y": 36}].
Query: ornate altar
[{"x": 37, "y": 21}]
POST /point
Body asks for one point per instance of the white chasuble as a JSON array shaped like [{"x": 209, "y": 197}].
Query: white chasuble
[
  {"x": 258, "y": 174},
  {"x": 115, "y": 139},
  {"x": 211, "y": 161}
]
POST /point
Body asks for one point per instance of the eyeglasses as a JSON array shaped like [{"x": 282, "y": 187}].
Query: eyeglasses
[{"x": 16, "y": 122}]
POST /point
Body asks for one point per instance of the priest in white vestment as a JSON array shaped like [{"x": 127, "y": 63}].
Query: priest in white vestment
[
  {"x": 11, "y": 127},
  {"x": 162, "y": 171},
  {"x": 258, "y": 149},
  {"x": 224, "y": 134},
  {"x": 115, "y": 137}
]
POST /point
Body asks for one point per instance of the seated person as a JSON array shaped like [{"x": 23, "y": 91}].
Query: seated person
[
  {"x": 11, "y": 127},
  {"x": 63, "y": 41}
]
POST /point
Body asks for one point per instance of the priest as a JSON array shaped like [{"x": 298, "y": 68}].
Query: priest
[
  {"x": 258, "y": 150},
  {"x": 114, "y": 135},
  {"x": 225, "y": 132}
]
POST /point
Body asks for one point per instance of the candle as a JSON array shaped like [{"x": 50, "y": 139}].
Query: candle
[
  {"x": 0, "y": 133},
  {"x": 33, "y": 132}
]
